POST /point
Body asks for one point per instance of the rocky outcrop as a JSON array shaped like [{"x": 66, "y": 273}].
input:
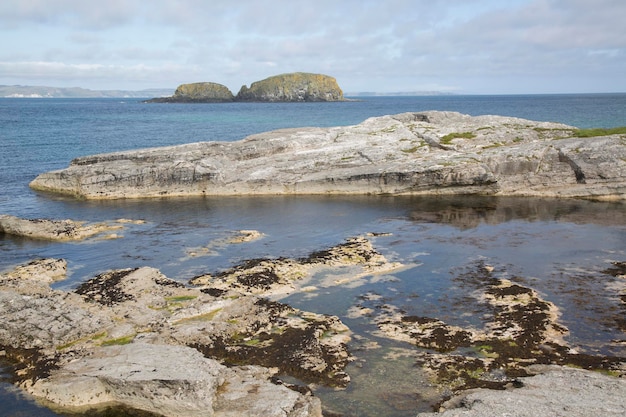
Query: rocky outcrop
[
  {"x": 520, "y": 330},
  {"x": 411, "y": 153},
  {"x": 205, "y": 92},
  {"x": 556, "y": 391},
  {"x": 170, "y": 381},
  {"x": 135, "y": 339},
  {"x": 59, "y": 230},
  {"x": 299, "y": 86},
  {"x": 293, "y": 87}
]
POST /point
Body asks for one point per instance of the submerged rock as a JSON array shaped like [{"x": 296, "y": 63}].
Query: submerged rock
[
  {"x": 46, "y": 229},
  {"x": 281, "y": 276},
  {"x": 410, "y": 153},
  {"x": 520, "y": 330}
]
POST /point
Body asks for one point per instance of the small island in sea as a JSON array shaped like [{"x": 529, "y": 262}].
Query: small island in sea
[{"x": 292, "y": 87}]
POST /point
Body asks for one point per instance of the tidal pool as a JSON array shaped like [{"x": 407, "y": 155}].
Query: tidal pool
[{"x": 565, "y": 250}]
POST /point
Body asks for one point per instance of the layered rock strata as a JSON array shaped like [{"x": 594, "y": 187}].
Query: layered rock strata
[
  {"x": 556, "y": 391},
  {"x": 411, "y": 153}
]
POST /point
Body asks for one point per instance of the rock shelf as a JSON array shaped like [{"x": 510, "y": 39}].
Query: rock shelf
[
  {"x": 136, "y": 339},
  {"x": 434, "y": 153},
  {"x": 521, "y": 330}
]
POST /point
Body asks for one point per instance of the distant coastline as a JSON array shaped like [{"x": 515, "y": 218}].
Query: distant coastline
[
  {"x": 398, "y": 93},
  {"x": 27, "y": 91}
]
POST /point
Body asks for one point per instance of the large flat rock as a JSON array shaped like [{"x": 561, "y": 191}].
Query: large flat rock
[
  {"x": 557, "y": 391},
  {"x": 409, "y": 153}
]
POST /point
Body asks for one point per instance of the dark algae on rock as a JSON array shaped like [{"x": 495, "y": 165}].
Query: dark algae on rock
[{"x": 520, "y": 330}]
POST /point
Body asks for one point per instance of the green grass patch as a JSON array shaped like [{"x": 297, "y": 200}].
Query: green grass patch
[
  {"x": 411, "y": 150},
  {"x": 447, "y": 139},
  {"x": 83, "y": 339},
  {"x": 590, "y": 133},
  {"x": 180, "y": 298},
  {"x": 202, "y": 317},
  {"x": 124, "y": 340}
]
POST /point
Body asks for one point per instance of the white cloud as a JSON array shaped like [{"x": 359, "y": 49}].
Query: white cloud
[{"x": 367, "y": 45}]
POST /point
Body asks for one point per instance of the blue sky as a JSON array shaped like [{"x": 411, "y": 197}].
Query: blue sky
[{"x": 458, "y": 46}]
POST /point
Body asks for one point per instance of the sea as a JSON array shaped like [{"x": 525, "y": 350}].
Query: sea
[{"x": 561, "y": 248}]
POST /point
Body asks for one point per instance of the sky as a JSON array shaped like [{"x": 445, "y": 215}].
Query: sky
[{"x": 452, "y": 46}]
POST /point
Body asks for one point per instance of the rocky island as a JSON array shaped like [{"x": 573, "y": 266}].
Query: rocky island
[
  {"x": 293, "y": 87},
  {"x": 434, "y": 153},
  {"x": 204, "y": 92},
  {"x": 297, "y": 86}
]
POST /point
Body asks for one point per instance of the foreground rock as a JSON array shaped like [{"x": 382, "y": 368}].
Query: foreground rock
[
  {"x": 60, "y": 230},
  {"x": 205, "y": 92},
  {"x": 299, "y": 86},
  {"x": 555, "y": 391},
  {"x": 135, "y": 338},
  {"x": 410, "y": 153}
]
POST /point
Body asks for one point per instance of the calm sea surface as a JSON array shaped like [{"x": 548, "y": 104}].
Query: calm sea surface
[{"x": 558, "y": 247}]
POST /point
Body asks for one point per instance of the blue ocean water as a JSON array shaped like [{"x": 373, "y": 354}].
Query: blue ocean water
[{"x": 559, "y": 247}]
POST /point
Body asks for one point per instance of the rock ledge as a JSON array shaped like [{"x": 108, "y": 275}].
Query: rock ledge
[{"x": 411, "y": 153}]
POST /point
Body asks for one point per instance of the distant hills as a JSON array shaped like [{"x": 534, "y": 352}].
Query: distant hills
[
  {"x": 398, "y": 93},
  {"x": 27, "y": 91}
]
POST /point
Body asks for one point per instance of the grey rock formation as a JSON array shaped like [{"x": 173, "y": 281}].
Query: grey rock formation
[
  {"x": 46, "y": 229},
  {"x": 557, "y": 391},
  {"x": 410, "y": 153},
  {"x": 168, "y": 380},
  {"x": 135, "y": 338},
  {"x": 204, "y": 92},
  {"x": 298, "y": 86}
]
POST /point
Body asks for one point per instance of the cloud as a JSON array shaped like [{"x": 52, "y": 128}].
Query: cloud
[{"x": 366, "y": 45}]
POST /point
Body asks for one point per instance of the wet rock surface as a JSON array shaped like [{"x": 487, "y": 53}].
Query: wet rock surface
[
  {"x": 122, "y": 337},
  {"x": 108, "y": 344},
  {"x": 437, "y": 153},
  {"x": 554, "y": 391},
  {"x": 204, "y": 92},
  {"x": 59, "y": 230},
  {"x": 284, "y": 275},
  {"x": 520, "y": 329}
]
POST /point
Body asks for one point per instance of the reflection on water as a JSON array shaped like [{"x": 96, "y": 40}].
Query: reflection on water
[{"x": 561, "y": 248}]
